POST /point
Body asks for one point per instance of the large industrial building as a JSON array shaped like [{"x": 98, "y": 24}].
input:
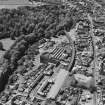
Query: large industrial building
[{"x": 58, "y": 53}]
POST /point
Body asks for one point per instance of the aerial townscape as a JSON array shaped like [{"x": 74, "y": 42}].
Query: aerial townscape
[{"x": 52, "y": 52}]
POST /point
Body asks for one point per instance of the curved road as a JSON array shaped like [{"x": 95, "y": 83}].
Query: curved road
[{"x": 73, "y": 51}]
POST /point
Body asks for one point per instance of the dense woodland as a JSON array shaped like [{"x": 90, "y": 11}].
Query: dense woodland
[{"x": 42, "y": 21}]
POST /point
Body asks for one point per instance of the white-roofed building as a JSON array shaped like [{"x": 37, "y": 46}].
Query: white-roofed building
[
  {"x": 84, "y": 80},
  {"x": 59, "y": 80}
]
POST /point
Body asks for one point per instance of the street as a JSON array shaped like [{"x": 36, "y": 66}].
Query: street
[{"x": 95, "y": 58}]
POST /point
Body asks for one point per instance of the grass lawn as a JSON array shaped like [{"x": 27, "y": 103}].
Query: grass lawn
[{"x": 7, "y": 43}]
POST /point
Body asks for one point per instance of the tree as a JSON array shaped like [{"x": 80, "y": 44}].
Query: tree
[
  {"x": 22, "y": 46},
  {"x": 7, "y": 55},
  {"x": 1, "y": 46},
  {"x": 13, "y": 79},
  {"x": 12, "y": 35}
]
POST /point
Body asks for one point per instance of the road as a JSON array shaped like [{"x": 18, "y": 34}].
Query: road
[
  {"x": 94, "y": 56},
  {"x": 73, "y": 51}
]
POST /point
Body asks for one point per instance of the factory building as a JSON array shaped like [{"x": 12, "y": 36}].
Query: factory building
[
  {"x": 57, "y": 52},
  {"x": 46, "y": 57},
  {"x": 59, "y": 81}
]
